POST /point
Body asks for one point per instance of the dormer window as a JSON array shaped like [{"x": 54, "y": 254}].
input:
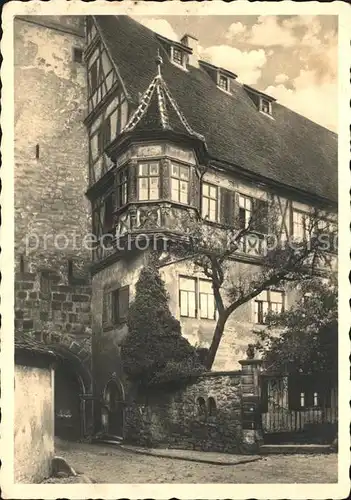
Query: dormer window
[
  {"x": 265, "y": 106},
  {"x": 262, "y": 101},
  {"x": 223, "y": 83},
  {"x": 178, "y": 56}
]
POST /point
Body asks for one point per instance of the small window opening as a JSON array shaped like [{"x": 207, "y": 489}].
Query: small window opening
[
  {"x": 37, "y": 151},
  {"x": 302, "y": 399},
  {"x": 178, "y": 56},
  {"x": 212, "y": 408},
  {"x": 201, "y": 407},
  {"x": 22, "y": 264},
  {"x": 77, "y": 55},
  {"x": 45, "y": 284},
  {"x": 223, "y": 83},
  {"x": 266, "y": 107}
]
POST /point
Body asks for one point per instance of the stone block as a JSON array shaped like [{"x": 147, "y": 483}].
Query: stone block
[
  {"x": 56, "y": 306},
  {"x": 22, "y": 295},
  {"x": 80, "y": 298},
  {"x": 27, "y": 324},
  {"x": 67, "y": 306},
  {"x": 26, "y": 285},
  {"x": 59, "y": 296}
]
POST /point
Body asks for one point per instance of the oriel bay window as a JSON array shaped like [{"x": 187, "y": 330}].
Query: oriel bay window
[
  {"x": 209, "y": 202},
  {"x": 148, "y": 181},
  {"x": 196, "y": 298},
  {"x": 268, "y": 301},
  {"x": 180, "y": 183}
]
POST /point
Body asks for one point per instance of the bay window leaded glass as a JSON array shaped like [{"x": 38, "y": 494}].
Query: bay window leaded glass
[
  {"x": 180, "y": 183},
  {"x": 148, "y": 181}
]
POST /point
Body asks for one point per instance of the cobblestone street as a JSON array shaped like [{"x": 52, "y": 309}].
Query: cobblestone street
[{"x": 108, "y": 464}]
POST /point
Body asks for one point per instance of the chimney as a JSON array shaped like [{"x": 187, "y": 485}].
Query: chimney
[{"x": 192, "y": 42}]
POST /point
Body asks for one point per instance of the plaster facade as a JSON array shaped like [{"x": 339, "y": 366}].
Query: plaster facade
[{"x": 34, "y": 423}]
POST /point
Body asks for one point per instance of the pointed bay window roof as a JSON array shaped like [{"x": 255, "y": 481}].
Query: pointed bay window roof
[{"x": 159, "y": 113}]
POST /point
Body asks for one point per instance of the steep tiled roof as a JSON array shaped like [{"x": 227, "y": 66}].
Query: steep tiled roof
[
  {"x": 159, "y": 111},
  {"x": 28, "y": 344},
  {"x": 289, "y": 149}
]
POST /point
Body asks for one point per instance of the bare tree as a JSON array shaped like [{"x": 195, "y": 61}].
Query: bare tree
[{"x": 281, "y": 259}]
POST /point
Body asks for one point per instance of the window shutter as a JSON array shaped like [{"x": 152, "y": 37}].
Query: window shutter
[
  {"x": 260, "y": 208},
  {"x": 123, "y": 303},
  {"x": 107, "y": 309},
  {"x": 227, "y": 206},
  {"x": 194, "y": 189}
]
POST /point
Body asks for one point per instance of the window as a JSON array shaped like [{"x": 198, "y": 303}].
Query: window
[
  {"x": 207, "y": 302},
  {"x": 77, "y": 55},
  {"x": 266, "y": 106},
  {"x": 180, "y": 183},
  {"x": 93, "y": 76},
  {"x": 301, "y": 225},
  {"x": 115, "y": 306},
  {"x": 187, "y": 297},
  {"x": 196, "y": 298},
  {"x": 122, "y": 188},
  {"x": 209, "y": 206},
  {"x": 45, "y": 285},
  {"x": 108, "y": 213},
  {"x": 212, "y": 408},
  {"x": 178, "y": 56},
  {"x": 268, "y": 301},
  {"x": 223, "y": 83},
  {"x": 201, "y": 408},
  {"x": 148, "y": 181},
  {"x": 245, "y": 211},
  {"x": 308, "y": 391}
]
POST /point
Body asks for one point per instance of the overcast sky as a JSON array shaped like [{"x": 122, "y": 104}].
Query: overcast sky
[{"x": 293, "y": 58}]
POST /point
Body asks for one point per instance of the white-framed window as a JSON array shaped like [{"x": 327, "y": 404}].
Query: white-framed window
[
  {"x": 268, "y": 301},
  {"x": 207, "y": 301},
  {"x": 209, "y": 202},
  {"x": 180, "y": 183},
  {"x": 187, "y": 297},
  {"x": 178, "y": 56},
  {"x": 301, "y": 225},
  {"x": 196, "y": 299},
  {"x": 245, "y": 210},
  {"x": 265, "y": 106},
  {"x": 148, "y": 181},
  {"x": 223, "y": 82}
]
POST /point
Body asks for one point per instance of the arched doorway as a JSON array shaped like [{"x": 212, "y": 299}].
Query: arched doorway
[
  {"x": 73, "y": 384},
  {"x": 112, "y": 410},
  {"x": 68, "y": 415}
]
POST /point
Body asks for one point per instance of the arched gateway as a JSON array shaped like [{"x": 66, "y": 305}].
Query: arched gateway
[{"x": 73, "y": 386}]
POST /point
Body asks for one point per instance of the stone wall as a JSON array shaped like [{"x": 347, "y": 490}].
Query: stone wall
[
  {"x": 59, "y": 309},
  {"x": 34, "y": 423},
  {"x": 174, "y": 418},
  {"x": 52, "y": 215}
]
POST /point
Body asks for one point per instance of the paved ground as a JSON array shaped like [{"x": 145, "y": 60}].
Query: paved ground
[{"x": 108, "y": 464}]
